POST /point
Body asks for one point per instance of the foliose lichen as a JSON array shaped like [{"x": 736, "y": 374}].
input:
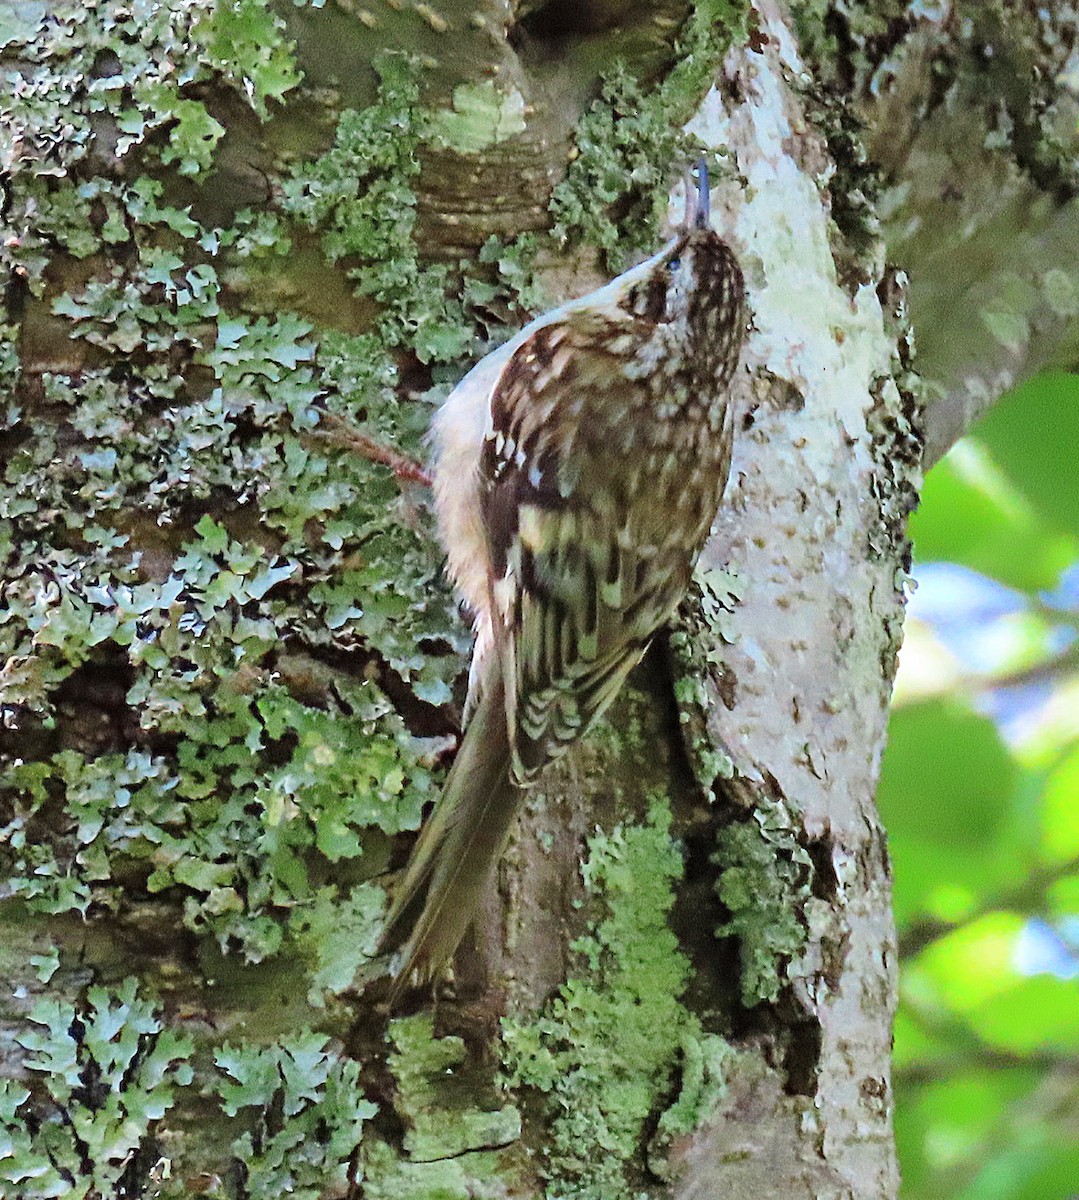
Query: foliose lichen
[
  {"x": 102, "y": 1074},
  {"x": 249, "y": 730},
  {"x": 696, "y": 643},
  {"x": 246, "y": 654},
  {"x": 304, "y": 1111},
  {"x": 85, "y": 87},
  {"x": 461, "y": 1136},
  {"x": 206, "y": 608},
  {"x": 1001, "y": 59},
  {"x": 605, "y": 1052},
  {"x": 443, "y": 1120},
  {"x": 765, "y": 882},
  {"x": 614, "y": 194}
]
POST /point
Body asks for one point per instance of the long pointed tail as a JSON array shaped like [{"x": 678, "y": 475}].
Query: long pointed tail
[{"x": 456, "y": 849}]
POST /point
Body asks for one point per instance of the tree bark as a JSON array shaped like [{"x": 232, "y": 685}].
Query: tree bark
[{"x": 230, "y": 664}]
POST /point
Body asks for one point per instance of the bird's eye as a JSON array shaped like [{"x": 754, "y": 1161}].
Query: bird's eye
[{"x": 673, "y": 264}]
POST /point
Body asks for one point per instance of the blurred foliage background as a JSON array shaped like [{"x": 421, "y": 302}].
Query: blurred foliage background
[{"x": 979, "y": 793}]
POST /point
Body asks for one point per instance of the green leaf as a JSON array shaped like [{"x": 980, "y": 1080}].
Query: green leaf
[
  {"x": 1033, "y": 436},
  {"x": 1060, "y": 811},
  {"x": 954, "y": 803},
  {"x": 970, "y": 966},
  {"x": 1034, "y": 1014},
  {"x": 971, "y": 513},
  {"x": 1046, "y": 1175},
  {"x": 1064, "y": 897},
  {"x": 972, "y": 974},
  {"x": 915, "y": 1045},
  {"x": 947, "y": 1125},
  {"x": 947, "y": 775}
]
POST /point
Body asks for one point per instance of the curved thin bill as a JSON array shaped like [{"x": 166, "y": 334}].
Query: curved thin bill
[{"x": 698, "y": 201}]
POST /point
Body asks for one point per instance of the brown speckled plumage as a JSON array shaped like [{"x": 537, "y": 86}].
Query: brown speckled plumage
[{"x": 578, "y": 472}]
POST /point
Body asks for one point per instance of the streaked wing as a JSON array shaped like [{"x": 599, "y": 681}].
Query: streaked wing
[{"x": 586, "y": 565}]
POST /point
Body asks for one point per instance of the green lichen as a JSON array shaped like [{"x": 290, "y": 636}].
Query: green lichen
[
  {"x": 338, "y": 934},
  {"x": 765, "y": 883},
  {"x": 247, "y": 767},
  {"x": 174, "y": 534},
  {"x": 998, "y": 61},
  {"x": 436, "y": 1096},
  {"x": 626, "y": 147},
  {"x": 478, "y": 1175},
  {"x": 706, "y": 1063},
  {"x": 605, "y": 1052},
  {"x": 360, "y": 195},
  {"x": 228, "y": 835},
  {"x": 614, "y": 194},
  {"x": 817, "y": 23},
  {"x": 72, "y": 74},
  {"x": 704, "y": 627},
  {"x": 304, "y": 1110},
  {"x": 1061, "y": 292},
  {"x": 244, "y": 43},
  {"x": 482, "y": 116},
  {"x": 193, "y": 138},
  {"x": 461, "y": 1136},
  {"x": 104, "y": 1072},
  {"x": 217, "y": 612},
  {"x": 515, "y": 263}
]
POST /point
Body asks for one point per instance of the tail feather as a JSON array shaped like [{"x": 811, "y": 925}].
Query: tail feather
[{"x": 456, "y": 849}]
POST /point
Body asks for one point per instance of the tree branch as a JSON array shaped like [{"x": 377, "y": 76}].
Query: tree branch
[
  {"x": 971, "y": 116},
  {"x": 1027, "y": 897}
]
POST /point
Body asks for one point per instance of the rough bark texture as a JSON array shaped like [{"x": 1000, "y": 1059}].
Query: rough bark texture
[
  {"x": 229, "y": 661},
  {"x": 827, "y": 470},
  {"x": 970, "y": 113}
]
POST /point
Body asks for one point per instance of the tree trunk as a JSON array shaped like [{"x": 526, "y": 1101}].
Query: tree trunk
[{"x": 241, "y": 238}]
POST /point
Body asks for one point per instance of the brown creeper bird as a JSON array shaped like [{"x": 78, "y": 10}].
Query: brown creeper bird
[{"x": 577, "y": 472}]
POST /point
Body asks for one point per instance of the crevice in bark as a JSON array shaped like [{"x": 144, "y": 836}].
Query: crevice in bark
[
  {"x": 557, "y": 21},
  {"x": 420, "y": 716},
  {"x": 148, "y": 928},
  {"x": 824, "y": 882},
  {"x": 801, "y": 1057},
  {"x": 91, "y": 715},
  {"x": 790, "y": 1036},
  {"x": 696, "y": 914},
  {"x": 465, "y": 1153},
  {"x": 16, "y": 292},
  {"x": 366, "y": 1042}
]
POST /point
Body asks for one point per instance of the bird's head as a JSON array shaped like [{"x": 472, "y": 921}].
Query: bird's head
[{"x": 695, "y": 288}]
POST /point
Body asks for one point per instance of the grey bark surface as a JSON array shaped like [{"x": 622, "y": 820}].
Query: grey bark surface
[{"x": 826, "y": 465}]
